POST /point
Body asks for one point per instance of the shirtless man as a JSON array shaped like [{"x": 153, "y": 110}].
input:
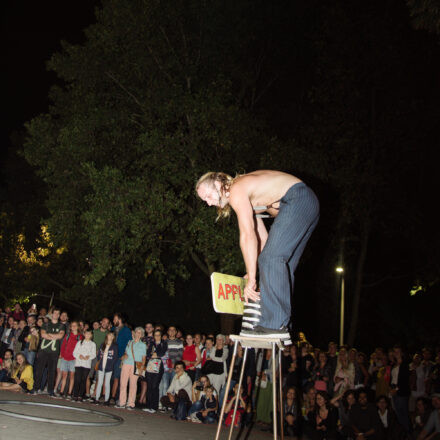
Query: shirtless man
[{"x": 296, "y": 211}]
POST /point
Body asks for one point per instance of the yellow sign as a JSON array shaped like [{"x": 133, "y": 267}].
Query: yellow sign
[{"x": 227, "y": 293}]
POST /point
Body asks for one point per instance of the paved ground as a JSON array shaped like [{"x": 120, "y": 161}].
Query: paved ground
[{"x": 137, "y": 424}]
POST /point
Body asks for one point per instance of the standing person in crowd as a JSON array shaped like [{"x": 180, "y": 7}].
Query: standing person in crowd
[
  {"x": 32, "y": 344},
  {"x": 198, "y": 343},
  {"x": 52, "y": 334},
  {"x": 100, "y": 330},
  {"x": 383, "y": 377},
  {"x": 191, "y": 356},
  {"x": 107, "y": 357},
  {"x": 18, "y": 313},
  {"x": 400, "y": 390},
  {"x": 134, "y": 357},
  {"x": 321, "y": 373},
  {"x": 431, "y": 431},
  {"x": 364, "y": 419},
  {"x": 344, "y": 374},
  {"x": 291, "y": 368},
  {"x": 22, "y": 376},
  {"x": 84, "y": 353},
  {"x": 175, "y": 352},
  {"x": 417, "y": 380},
  {"x": 67, "y": 366},
  {"x": 156, "y": 351},
  {"x": 149, "y": 334},
  {"x": 7, "y": 336},
  {"x": 219, "y": 355},
  {"x": 123, "y": 335},
  {"x": 307, "y": 363},
  {"x": 33, "y": 311},
  {"x": 322, "y": 421}
]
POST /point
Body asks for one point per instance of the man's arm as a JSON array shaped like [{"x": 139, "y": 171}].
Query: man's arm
[
  {"x": 239, "y": 201},
  {"x": 59, "y": 335},
  {"x": 262, "y": 234}
]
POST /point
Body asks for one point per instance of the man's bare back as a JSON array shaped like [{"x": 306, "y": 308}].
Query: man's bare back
[{"x": 264, "y": 188}]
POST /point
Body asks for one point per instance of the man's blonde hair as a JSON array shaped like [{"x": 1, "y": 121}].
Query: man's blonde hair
[{"x": 225, "y": 184}]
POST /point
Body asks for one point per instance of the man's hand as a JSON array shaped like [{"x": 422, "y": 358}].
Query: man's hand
[
  {"x": 171, "y": 397},
  {"x": 250, "y": 291}
]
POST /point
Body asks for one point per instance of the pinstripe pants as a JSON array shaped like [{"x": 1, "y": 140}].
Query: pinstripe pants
[{"x": 288, "y": 236}]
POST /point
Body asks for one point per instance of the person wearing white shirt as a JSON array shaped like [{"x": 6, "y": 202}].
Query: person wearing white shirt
[
  {"x": 180, "y": 388},
  {"x": 84, "y": 353}
]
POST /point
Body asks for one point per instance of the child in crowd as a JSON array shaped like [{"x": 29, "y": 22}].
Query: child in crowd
[
  {"x": 107, "y": 356},
  {"x": 83, "y": 353}
]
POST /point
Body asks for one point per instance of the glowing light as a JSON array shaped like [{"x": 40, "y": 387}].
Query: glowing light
[{"x": 339, "y": 269}]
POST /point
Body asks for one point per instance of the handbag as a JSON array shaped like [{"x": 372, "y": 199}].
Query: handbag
[
  {"x": 138, "y": 366},
  {"x": 153, "y": 365},
  {"x": 97, "y": 365},
  {"x": 212, "y": 367}
]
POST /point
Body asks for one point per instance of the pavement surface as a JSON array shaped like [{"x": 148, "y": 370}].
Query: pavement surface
[{"x": 137, "y": 424}]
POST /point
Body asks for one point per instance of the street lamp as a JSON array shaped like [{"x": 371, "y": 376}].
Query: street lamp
[{"x": 340, "y": 270}]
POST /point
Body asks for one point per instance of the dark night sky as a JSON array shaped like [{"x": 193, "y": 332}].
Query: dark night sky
[{"x": 30, "y": 33}]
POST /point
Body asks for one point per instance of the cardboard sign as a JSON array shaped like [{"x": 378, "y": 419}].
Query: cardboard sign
[{"x": 227, "y": 293}]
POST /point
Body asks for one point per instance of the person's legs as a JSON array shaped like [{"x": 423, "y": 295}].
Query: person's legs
[
  {"x": 63, "y": 380},
  {"x": 77, "y": 380},
  {"x": 164, "y": 384},
  {"x": 291, "y": 229},
  {"x": 99, "y": 383},
  {"x": 52, "y": 360},
  {"x": 116, "y": 377},
  {"x": 195, "y": 407},
  {"x": 126, "y": 371},
  {"x": 108, "y": 377},
  {"x": 154, "y": 397},
  {"x": 84, "y": 376},
  {"x": 143, "y": 396},
  {"x": 40, "y": 363},
  {"x": 133, "y": 388},
  {"x": 402, "y": 412}
]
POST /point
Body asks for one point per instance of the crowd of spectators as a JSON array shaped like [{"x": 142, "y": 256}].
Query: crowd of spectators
[{"x": 335, "y": 393}]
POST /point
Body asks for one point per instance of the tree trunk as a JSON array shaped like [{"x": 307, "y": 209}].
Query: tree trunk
[{"x": 358, "y": 280}]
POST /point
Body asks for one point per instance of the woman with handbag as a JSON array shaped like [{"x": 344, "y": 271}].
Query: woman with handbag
[
  {"x": 133, "y": 365},
  {"x": 321, "y": 373},
  {"x": 156, "y": 351},
  {"x": 106, "y": 359}
]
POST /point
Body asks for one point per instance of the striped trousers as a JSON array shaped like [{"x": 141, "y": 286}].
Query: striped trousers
[{"x": 297, "y": 218}]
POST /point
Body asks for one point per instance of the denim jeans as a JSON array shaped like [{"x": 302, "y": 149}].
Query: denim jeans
[
  {"x": 165, "y": 382},
  {"x": 288, "y": 236}
]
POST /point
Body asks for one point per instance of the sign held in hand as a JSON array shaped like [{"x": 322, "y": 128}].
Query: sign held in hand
[{"x": 227, "y": 293}]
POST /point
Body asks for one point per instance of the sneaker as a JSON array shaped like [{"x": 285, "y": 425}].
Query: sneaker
[
  {"x": 251, "y": 316},
  {"x": 112, "y": 401},
  {"x": 162, "y": 410},
  {"x": 52, "y": 395},
  {"x": 68, "y": 397},
  {"x": 119, "y": 406},
  {"x": 130, "y": 408},
  {"x": 57, "y": 395},
  {"x": 263, "y": 332}
]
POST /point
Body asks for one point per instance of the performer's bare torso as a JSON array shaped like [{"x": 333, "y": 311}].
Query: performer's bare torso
[{"x": 265, "y": 188}]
